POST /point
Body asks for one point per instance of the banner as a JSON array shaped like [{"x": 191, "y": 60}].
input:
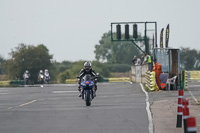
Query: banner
[
  {"x": 167, "y": 36},
  {"x": 161, "y": 38}
]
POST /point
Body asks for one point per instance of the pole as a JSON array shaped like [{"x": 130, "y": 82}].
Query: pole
[
  {"x": 145, "y": 39},
  {"x": 111, "y": 33},
  {"x": 156, "y": 34}
]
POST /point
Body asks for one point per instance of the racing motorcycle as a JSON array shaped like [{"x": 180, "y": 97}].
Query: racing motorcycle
[
  {"x": 41, "y": 79},
  {"x": 26, "y": 79},
  {"x": 87, "y": 89}
]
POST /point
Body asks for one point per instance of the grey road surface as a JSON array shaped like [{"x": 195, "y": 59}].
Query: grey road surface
[{"x": 118, "y": 108}]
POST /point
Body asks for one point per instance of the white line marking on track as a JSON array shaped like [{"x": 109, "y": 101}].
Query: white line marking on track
[
  {"x": 10, "y": 107},
  {"x": 197, "y": 102},
  {"x": 63, "y": 91},
  {"x": 27, "y": 103},
  {"x": 190, "y": 86},
  {"x": 3, "y": 93},
  {"x": 148, "y": 110}
]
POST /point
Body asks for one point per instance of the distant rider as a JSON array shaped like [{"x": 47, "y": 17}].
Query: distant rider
[
  {"x": 26, "y": 76},
  {"x": 46, "y": 74},
  {"x": 87, "y": 70},
  {"x": 40, "y": 76}
]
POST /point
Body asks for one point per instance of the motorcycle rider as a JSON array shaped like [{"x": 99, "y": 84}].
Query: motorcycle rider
[
  {"x": 46, "y": 74},
  {"x": 26, "y": 76},
  {"x": 87, "y": 70},
  {"x": 41, "y": 74}
]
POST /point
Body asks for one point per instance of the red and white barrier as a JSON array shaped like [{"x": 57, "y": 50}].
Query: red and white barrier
[
  {"x": 191, "y": 125},
  {"x": 185, "y": 113},
  {"x": 180, "y": 108}
]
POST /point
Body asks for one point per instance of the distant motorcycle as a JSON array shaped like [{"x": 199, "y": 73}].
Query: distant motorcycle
[
  {"x": 26, "y": 79},
  {"x": 41, "y": 78},
  {"x": 87, "y": 89}
]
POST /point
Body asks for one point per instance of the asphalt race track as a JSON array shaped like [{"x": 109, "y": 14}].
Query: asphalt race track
[{"x": 118, "y": 108}]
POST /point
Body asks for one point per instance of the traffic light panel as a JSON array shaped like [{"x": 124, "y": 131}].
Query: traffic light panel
[
  {"x": 126, "y": 31},
  {"x": 135, "y": 31},
  {"x": 118, "y": 27}
]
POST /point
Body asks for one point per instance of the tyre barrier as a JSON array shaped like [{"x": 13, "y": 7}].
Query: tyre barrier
[
  {"x": 186, "y": 80},
  {"x": 150, "y": 81}
]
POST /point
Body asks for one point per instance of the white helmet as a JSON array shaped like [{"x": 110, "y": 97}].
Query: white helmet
[
  {"x": 46, "y": 70},
  {"x": 41, "y": 71},
  {"x": 26, "y": 71},
  {"x": 87, "y": 65}
]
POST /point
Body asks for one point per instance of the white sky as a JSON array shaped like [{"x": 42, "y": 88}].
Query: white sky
[{"x": 71, "y": 28}]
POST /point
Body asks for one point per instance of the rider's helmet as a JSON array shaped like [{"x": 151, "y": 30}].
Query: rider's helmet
[
  {"x": 26, "y": 72},
  {"x": 41, "y": 71},
  {"x": 87, "y": 66},
  {"x": 46, "y": 71}
]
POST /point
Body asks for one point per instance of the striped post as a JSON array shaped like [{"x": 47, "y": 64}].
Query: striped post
[
  {"x": 185, "y": 113},
  {"x": 179, "y": 109},
  {"x": 191, "y": 125}
]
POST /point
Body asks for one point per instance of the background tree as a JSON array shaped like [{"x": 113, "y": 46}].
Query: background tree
[
  {"x": 116, "y": 52},
  {"x": 190, "y": 58},
  {"x": 2, "y": 60},
  {"x": 27, "y": 57},
  {"x": 73, "y": 71},
  {"x": 57, "y": 68}
]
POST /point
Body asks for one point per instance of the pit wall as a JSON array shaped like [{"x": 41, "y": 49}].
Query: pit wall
[{"x": 138, "y": 73}]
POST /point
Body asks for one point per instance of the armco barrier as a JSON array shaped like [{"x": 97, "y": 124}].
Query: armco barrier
[
  {"x": 151, "y": 81},
  {"x": 123, "y": 79},
  {"x": 70, "y": 81},
  {"x": 189, "y": 75},
  {"x": 194, "y": 74},
  {"x": 17, "y": 82},
  {"x": 4, "y": 83}
]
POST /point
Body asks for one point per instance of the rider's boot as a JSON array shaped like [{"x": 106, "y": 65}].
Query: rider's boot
[
  {"x": 94, "y": 92},
  {"x": 79, "y": 89}
]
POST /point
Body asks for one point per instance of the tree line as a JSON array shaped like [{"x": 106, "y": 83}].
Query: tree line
[{"x": 110, "y": 57}]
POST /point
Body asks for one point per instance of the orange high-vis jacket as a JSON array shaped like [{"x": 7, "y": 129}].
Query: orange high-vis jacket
[{"x": 157, "y": 67}]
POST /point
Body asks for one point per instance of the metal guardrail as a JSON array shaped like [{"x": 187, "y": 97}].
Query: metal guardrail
[
  {"x": 122, "y": 79},
  {"x": 193, "y": 74},
  {"x": 4, "y": 83}
]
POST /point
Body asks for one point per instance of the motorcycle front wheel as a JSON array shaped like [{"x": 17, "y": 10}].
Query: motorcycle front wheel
[{"x": 87, "y": 98}]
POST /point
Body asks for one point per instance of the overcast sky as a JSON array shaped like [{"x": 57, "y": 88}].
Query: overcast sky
[{"x": 71, "y": 28}]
